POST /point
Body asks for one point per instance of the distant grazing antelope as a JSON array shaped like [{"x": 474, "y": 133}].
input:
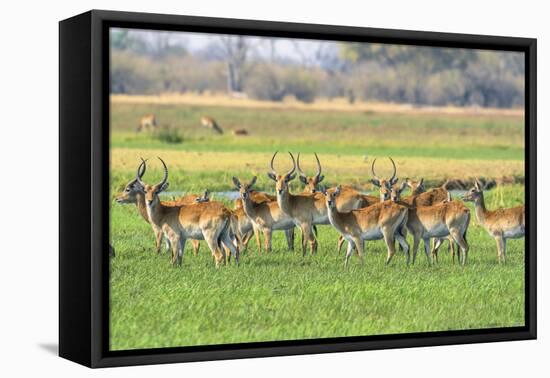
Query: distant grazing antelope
[
  {"x": 265, "y": 216},
  {"x": 211, "y": 123},
  {"x": 240, "y": 132},
  {"x": 501, "y": 224},
  {"x": 447, "y": 218},
  {"x": 147, "y": 123},
  {"x": 378, "y": 221},
  {"x": 209, "y": 221},
  {"x": 133, "y": 195}
]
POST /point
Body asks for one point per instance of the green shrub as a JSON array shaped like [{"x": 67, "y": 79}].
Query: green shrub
[{"x": 168, "y": 135}]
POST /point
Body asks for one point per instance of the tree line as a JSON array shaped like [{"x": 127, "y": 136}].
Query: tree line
[{"x": 358, "y": 71}]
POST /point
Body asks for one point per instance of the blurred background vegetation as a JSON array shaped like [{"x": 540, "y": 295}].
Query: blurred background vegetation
[{"x": 146, "y": 62}]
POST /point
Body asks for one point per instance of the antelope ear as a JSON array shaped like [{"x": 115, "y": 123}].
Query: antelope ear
[
  {"x": 394, "y": 181},
  {"x": 338, "y": 189},
  {"x": 252, "y": 182},
  {"x": 375, "y": 182},
  {"x": 272, "y": 176},
  {"x": 421, "y": 182},
  {"x": 236, "y": 182},
  {"x": 321, "y": 178},
  {"x": 291, "y": 177},
  {"x": 477, "y": 184},
  {"x": 303, "y": 179},
  {"x": 403, "y": 186},
  {"x": 323, "y": 189}
]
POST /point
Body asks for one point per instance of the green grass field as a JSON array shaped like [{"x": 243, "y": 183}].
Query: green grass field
[{"x": 282, "y": 296}]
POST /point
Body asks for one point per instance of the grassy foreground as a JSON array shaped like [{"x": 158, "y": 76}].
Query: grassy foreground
[{"x": 282, "y": 296}]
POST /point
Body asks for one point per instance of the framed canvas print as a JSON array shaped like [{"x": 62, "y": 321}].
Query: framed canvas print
[{"x": 234, "y": 188}]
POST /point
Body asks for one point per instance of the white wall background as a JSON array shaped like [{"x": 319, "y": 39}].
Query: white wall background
[{"x": 29, "y": 189}]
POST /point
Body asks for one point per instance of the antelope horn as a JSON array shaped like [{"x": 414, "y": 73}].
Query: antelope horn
[
  {"x": 298, "y": 166},
  {"x": 318, "y": 165},
  {"x": 394, "y": 169},
  {"x": 271, "y": 164},
  {"x": 140, "y": 172},
  {"x": 293, "y": 164},
  {"x": 372, "y": 170},
  {"x": 165, "y": 178}
]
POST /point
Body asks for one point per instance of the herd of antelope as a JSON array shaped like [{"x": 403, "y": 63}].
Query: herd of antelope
[{"x": 425, "y": 214}]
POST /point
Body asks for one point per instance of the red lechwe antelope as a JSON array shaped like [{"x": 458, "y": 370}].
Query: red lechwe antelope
[
  {"x": 416, "y": 187},
  {"x": 501, "y": 224},
  {"x": 209, "y": 221},
  {"x": 210, "y": 123},
  {"x": 133, "y": 195},
  {"x": 260, "y": 197},
  {"x": 305, "y": 209},
  {"x": 384, "y": 185},
  {"x": 348, "y": 199},
  {"x": 419, "y": 198},
  {"x": 448, "y": 218},
  {"x": 375, "y": 222},
  {"x": 147, "y": 123},
  {"x": 265, "y": 216}
]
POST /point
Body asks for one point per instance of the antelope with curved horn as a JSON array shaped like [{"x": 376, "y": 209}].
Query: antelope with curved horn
[
  {"x": 209, "y": 221},
  {"x": 349, "y": 198},
  {"x": 265, "y": 216},
  {"x": 132, "y": 195},
  {"x": 310, "y": 182},
  {"x": 379, "y": 221},
  {"x": 501, "y": 224},
  {"x": 384, "y": 185},
  {"x": 442, "y": 220},
  {"x": 305, "y": 210}
]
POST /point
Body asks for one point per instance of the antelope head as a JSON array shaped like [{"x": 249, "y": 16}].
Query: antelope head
[
  {"x": 244, "y": 188},
  {"x": 396, "y": 190},
  {"x": 416, "y": 187},
  {"x": 330, "y": 196},
  {"x": 475, "y": 193},
  {"x": 152, "y": 191},
  {"x": 311, "y": 182},
  {"x": 130, "y": 192},
  {"x": 281, "y": 181},
  {"x": 385, "y": 185}
]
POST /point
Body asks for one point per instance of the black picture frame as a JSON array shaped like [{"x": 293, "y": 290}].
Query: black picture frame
[{"x": 84, "y": 196}]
